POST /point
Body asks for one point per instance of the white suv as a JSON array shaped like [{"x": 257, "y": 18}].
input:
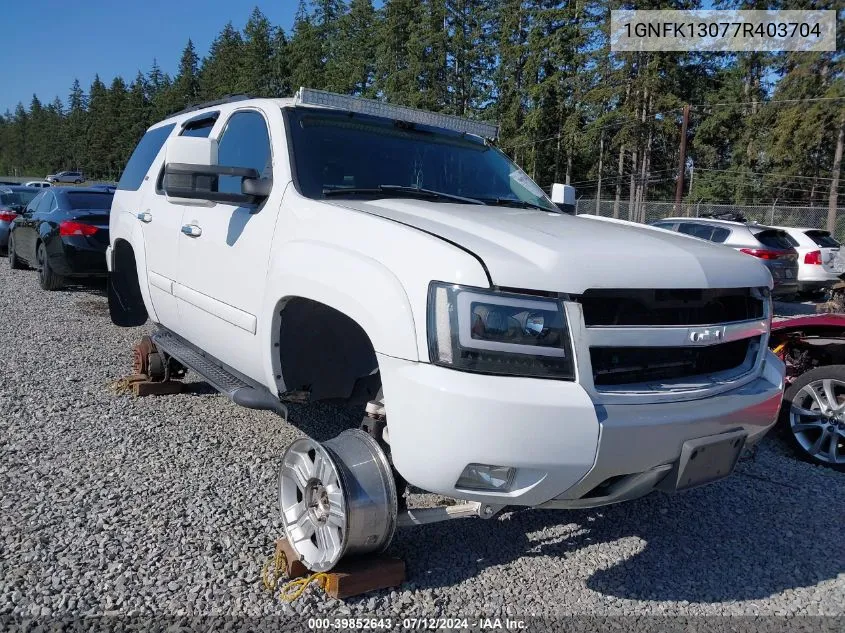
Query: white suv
[
  {"x": 820, "y": 261},
  {"x": 333, "y": 248}
]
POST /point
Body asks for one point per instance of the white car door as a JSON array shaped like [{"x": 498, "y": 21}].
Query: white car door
[
  {"x": 160, "y": 222},
  {"x": 224, "y": 248}
]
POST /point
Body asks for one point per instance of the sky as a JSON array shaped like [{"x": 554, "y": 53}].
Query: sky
[{"x": 46, "y": 44}]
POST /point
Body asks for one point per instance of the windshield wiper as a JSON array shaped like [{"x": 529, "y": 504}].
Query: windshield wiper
[
  {"x": 400, "y": 191},
  {"x": 514, "y": 202}
]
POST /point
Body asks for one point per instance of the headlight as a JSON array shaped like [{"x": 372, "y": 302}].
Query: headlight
[{"x": 498, "y": 333}]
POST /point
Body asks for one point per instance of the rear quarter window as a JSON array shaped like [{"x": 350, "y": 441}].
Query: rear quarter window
[
  {"x": 823, "y": 239},
  {"x": 143, "y": 156},
  {"x": 701, "y": 231},
  {"x": 720, "y": 234}
]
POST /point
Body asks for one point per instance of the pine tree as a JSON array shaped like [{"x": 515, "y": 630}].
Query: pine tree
[
  {"x": 256, "y": 59},
  {"x": 118, "y": 133},
  {"x": 395, "y": 76},
  {"x": 351, "y": 68},
  {"x": 134, "y": 118},
  {"x": 280, "y": 85},
  {"x": 76, "y": 127},
  {"x": 305, "y": 53},
  {"x": 185, "y": 89},
  {"x": 98, "y": 137},
  {"x": 221, "y": 69}
]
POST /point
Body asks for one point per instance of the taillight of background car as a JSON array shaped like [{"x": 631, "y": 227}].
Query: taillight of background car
[
  {"x": 763, "y": 253},
  {"x": 66, "y": 229},
  {"x": 814, "y": 258},
  {"x": 7, "y": 216}
]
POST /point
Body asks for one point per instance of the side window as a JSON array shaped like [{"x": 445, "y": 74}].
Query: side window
[
  {"x": 245, "y": 143},
  {"x": 46, "y": 203},
  {"x": 719, "y": 235},
  {"x": 701, "y": 231},
  {"x": 33, "y": 204},
  {"x": 669, "y": 226},
  {"x": 143, "y": 156}
]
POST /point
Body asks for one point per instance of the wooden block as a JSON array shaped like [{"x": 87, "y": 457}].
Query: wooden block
[
  {"x": 295, "y": 569},
  {"x": 137, "y": 378},
  {"x": 365, "y": 574},
  {"x": 156, "y": 388}
]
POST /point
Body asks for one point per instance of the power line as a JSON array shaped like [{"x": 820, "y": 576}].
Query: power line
[
  {"x": 760, "y": 173},
  {"x": 629, "y": 118},
  {"x": 762, "y": 102}
]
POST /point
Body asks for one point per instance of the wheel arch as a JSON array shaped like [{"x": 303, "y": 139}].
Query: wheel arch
[
  {"x": 127, "y": 307},
  {"x": 345, "y": 289}
]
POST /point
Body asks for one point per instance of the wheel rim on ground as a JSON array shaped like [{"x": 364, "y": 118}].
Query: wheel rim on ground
[
  {"x": 817, "y": 420},
  {"x": 337, "y": 498}
]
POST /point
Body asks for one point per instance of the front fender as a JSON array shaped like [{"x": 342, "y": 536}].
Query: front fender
[{"x": 348, "y": 281}]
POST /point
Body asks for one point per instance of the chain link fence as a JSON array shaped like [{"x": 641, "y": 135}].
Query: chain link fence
[{"x": 772, "y": 215}]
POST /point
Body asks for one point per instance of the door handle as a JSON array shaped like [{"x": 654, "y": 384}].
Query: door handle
[
  {"x": 191, "y": 230},
  {"x": 146, "y": 217}
]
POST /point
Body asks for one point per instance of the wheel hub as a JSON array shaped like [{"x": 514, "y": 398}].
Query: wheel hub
[{"x": 317, "y": 501}]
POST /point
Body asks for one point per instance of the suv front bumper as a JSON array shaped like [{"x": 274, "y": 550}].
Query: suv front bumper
[{"x": 568, "y": 451}]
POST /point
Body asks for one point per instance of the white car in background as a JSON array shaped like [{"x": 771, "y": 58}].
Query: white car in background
[
  {"x": 820, "y": 262},
  {"x": 41, "y": 184}
]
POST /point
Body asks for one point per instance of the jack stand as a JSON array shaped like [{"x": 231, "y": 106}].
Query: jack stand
[
  {"x": 153, "y": 371},
  {"x": 350, "y": 577},
  {"x": 141, "y": 385}
]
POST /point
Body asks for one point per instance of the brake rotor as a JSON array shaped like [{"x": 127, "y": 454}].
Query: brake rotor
[{"x": 147, "y": 360}]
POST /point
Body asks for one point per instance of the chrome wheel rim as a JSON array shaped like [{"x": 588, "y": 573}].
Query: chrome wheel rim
[
  {"x": 817, "y": 420},
  {"x": 314, "y": 512}
]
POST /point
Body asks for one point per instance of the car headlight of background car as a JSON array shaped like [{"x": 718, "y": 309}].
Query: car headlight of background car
[{"x": 480, "y": 330}]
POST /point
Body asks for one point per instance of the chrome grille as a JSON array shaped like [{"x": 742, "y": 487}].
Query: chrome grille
[{"x": 671, "y": 341}]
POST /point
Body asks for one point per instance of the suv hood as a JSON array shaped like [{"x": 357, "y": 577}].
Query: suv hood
[{"x": 537, "y": 250}]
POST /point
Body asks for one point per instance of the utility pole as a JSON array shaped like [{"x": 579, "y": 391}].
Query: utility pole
[{"x": 682, "y": 157}]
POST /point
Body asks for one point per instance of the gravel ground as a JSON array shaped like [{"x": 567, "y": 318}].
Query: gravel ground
[{"x": 166, "y": 505}]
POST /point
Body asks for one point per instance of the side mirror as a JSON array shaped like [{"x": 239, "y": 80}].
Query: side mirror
[
  {"x": 564, "y": 197},
  {"x": 191, "y": 172}
]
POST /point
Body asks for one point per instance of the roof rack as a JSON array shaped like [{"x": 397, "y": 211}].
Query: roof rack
[
  {"x": 214, "y": 102},
  {"x": 729, "y": 216}
]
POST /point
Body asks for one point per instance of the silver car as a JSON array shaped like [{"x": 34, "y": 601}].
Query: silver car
[
  {"x": 13, "y": 200},
  {"x": 76, "y": 177},
  {"x": 771, "y": 246}
]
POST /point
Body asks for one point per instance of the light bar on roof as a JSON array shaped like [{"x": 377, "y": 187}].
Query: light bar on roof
[{"x": 309, "y": 96}]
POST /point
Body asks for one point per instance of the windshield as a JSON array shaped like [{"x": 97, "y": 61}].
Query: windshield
[
  {"x": 17, "y": 198},
  {"x": 335, "y": 152}
]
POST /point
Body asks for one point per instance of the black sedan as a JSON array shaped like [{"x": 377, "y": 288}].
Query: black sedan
[{"x": 63, "y": 232}]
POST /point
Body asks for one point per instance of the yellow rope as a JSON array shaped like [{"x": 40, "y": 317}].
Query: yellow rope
[
  {"x": 295, "y": 588},
  {"x": 273, "y": 570}
]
